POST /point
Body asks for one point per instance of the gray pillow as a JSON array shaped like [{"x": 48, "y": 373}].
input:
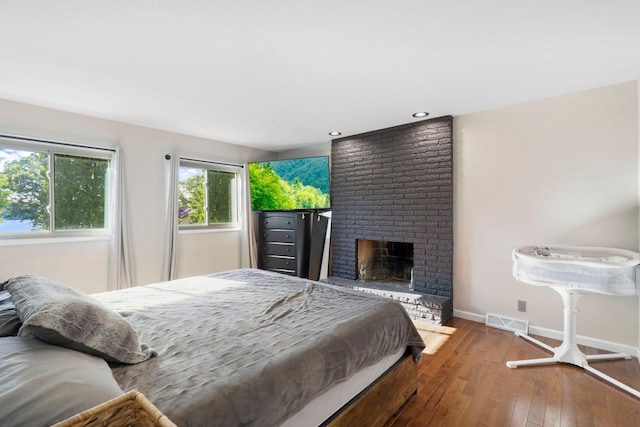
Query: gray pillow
[
  {"x": 9, "y": 321},
  {"x": 42, "y": 384},
  {"x": 59, "y": 315}
]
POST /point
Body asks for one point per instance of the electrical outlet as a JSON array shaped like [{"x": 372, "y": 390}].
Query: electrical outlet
[{"x": 522, "y": 306}]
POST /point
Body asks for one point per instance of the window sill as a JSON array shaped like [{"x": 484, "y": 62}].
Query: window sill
[
  {"x": 210, "y": 230},
  {"x": 50, "y": 240}
]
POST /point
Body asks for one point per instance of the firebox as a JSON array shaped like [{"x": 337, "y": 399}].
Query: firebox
[{"x": 385, "y": 261}]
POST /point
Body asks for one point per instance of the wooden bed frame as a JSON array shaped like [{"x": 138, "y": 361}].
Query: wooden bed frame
[{"x": 377, "y": 404}]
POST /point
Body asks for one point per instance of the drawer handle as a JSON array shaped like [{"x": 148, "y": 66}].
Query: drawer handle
[{"x": 288, "y": 235}]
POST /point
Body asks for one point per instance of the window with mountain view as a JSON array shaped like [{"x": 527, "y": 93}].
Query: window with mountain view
[{"x": 291, "y": 184}]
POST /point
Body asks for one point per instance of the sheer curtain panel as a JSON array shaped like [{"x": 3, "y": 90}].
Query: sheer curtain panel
[
  {"x": 169, "y": 268},
  {"x": 120, "y": 260},
  {"x": 248, "y": 231}
]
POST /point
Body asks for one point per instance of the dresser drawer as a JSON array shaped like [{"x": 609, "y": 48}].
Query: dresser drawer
[
  {"x": 285, "y": 249},
  {"x": 278, "y": 221},
  {"x": 284, "y": 236},
  {"x": 280, "y": 263},
  {"x": 281, "y": 271}
]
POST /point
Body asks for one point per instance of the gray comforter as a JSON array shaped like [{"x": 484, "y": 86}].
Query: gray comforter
[{"x": 249, "y": 347}]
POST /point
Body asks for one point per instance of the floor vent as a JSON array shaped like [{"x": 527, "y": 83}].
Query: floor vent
[{"x": 502, "y": 322}]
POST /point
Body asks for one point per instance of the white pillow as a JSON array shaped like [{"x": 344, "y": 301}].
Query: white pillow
[{"x": 41, "y": 384}]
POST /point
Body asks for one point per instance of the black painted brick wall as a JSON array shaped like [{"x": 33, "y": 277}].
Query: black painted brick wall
[{"x": 396, "y": 184}]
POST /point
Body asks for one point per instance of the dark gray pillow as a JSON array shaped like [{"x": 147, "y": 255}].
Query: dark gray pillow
[
  {"x": 58, "y": 314},
  {"x": 9, "y": 321},
  {"x": 43, "y": 384}
]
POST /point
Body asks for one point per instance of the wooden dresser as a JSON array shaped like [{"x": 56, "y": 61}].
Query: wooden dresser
[{"x": 283, "y": 241}]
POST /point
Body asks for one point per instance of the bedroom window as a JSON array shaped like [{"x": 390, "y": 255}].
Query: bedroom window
[
  {"x": 208, "y": 195},
  {"x": 53, "y": 189}
]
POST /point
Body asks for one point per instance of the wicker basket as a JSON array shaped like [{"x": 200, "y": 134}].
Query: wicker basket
[{"x": 130, "y": 409}]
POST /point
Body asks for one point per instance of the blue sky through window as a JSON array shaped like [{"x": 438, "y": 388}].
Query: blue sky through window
[{"x": 7, "y": 155}]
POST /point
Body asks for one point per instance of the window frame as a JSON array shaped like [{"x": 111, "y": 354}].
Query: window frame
[
  {"x": 52, "y": 148},
  {"x": 236, "y": 203}
]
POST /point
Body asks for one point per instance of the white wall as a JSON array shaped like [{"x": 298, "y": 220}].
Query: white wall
[
  {"x": 562, "y": 170},
  {"x": 84, "y": 265},
  {"x": 322, "y": 149}
]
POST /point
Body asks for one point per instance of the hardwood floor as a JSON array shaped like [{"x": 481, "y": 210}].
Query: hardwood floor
[{"x": 465, "y": 382}]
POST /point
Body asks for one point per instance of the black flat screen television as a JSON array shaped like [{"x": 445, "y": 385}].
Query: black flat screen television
[{"x": 292, "y": 184}]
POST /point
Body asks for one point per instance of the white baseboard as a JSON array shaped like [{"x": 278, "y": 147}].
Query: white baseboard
[
  {"x": 469, "y": 316},
  {"x": 558, "y": 335}
]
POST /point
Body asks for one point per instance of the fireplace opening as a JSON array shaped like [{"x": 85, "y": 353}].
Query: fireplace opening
[{"x": 385, "y": 261}]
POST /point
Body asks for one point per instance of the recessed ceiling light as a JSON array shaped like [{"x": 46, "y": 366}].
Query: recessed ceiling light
[
  {"x": 420, "y": 114},
  {"x": 335, "y": 133}
]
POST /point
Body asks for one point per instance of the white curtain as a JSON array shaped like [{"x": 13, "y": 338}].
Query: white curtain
[
  {"x": 120, "y": 261},
  {"x": 250, "y": 252},
  {"x": 169, "y": 267}
]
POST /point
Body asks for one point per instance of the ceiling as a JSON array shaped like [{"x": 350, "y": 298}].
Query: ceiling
[{"x": 282, "y": 74}]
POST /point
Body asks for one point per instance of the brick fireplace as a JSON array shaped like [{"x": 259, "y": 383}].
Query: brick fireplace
[{"x": 396, "y": 185}]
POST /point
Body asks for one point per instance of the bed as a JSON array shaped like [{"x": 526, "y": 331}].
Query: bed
[{"x": 255, "y": 348}]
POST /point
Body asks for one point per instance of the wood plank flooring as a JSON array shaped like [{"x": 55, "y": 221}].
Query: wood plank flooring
[{"x": 465, "y": 382}]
